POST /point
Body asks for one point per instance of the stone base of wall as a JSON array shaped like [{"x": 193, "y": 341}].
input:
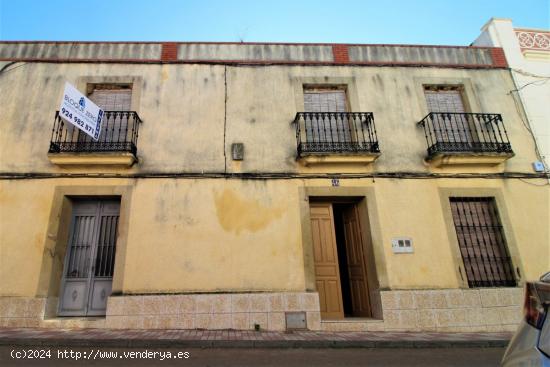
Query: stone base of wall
[
  {"x": 21, "y": 311},
  {"x": 240, "y": 311},
  {"x": 451, "y": 310}
]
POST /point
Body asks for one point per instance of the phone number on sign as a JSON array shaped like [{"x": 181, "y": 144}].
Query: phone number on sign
[{"x": 78, "y": 121}]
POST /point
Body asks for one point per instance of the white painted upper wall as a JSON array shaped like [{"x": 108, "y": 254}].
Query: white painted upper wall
[{"x": 530, "y": 63}]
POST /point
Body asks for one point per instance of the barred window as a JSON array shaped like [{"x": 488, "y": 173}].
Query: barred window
[{"x": 482, "y": 243}]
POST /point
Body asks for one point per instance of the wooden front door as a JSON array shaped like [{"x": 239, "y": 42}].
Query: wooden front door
[
  {"x": 325, "y": 254},
  {"x": 356, "y": 263}
]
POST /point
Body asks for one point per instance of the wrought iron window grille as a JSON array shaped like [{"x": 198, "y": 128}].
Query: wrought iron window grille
[{"x": 482, "y": 243}]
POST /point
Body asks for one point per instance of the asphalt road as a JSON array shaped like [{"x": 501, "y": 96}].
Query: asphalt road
[{"x": 470, "y": 357}]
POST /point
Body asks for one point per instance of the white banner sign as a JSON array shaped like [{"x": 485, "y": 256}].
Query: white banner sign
[{"x": 80, "y": 111}]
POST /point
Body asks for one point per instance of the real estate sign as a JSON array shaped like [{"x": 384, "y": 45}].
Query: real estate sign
[{"x": 80, "y": 111}]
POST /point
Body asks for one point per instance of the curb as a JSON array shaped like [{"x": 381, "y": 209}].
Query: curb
[{"x": 286, "y": 344}]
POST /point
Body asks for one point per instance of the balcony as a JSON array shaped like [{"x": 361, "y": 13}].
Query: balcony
[
  {"x": 336, "y": 137},
  {"x": 466, "y": 138},
  {"x": 117, "y": 143}
]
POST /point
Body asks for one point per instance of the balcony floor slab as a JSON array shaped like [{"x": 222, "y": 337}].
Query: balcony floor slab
[{"x": 125, "y": 159}]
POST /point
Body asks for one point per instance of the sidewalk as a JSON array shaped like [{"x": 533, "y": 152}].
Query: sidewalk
[{"x": 244, "y": 339}]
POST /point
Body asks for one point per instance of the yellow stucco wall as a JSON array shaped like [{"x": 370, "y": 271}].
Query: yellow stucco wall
[
  {"x": 193, "y": 235},
  {"x": 214, "y": 235},
  {"x": 231, "y": 235},
  {"x": 187, "y": 114},
  {"x": 24, "y": 212}
]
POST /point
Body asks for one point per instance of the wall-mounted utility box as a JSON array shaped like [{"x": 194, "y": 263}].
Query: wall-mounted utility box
[
  {"x": 295, "y": 320},
  {"x": 402, "y": 245},
  {"x": 538, "y": 166},
  {"x": 237, "y": 151}
]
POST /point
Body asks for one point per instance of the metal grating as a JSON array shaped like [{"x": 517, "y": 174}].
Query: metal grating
[
  {"x": 451, "y": 132},
  {"x": 482, "y": 243},
  {"x": 81, "y": 246},
  {"x": 335, "y": 132},
  {"x": 119, "y": 133},
  {"x": 105, "y": 253}
]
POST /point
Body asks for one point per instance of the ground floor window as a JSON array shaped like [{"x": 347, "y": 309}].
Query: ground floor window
[{"x": 482, "y": 243}]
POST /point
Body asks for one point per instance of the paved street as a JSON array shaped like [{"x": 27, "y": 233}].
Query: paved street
[
  {"x": 262, "y": 357},
  {"x": 161, "y": 338},
  {"x": 107, "y": 347}
]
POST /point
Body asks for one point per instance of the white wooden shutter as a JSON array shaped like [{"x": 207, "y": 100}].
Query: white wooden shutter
[
  {"x": 112, "y": 98},
  {"x": 325, "y": 100},
  {"x": 444, "y": 100},
  {"x": 335, "y": 130},
  {"x": 449, "y": 128}
]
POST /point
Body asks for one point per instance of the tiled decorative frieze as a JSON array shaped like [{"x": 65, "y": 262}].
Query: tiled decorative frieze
[{"x": 533, "y": 40}]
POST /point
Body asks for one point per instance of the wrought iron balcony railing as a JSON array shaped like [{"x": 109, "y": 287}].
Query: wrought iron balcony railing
[
  {"x": 335, "y": 133},
  {"x": 448, "y": 132},
  {"x": 119, "y": 133}
]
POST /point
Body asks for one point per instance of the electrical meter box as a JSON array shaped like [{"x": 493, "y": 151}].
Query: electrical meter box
[{"x": 402, "y": 245}]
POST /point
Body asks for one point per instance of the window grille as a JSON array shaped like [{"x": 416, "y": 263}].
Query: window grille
[{"x": 482, "y": 243}]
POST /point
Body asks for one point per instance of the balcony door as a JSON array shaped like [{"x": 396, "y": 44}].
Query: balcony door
[
  {"x": 327, "y": 128},
  {"x": 452, "y": 128},
  {"x": 113, "y": 97},
  {"x": 90, "y": 258}
]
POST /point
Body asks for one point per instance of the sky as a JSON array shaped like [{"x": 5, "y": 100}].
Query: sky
[{"x": 443, "y": 22}]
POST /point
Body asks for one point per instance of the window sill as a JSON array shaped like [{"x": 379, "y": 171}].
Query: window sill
[
  {"x": 355, "y": 159},
  {"x": 469, "y": 159},
  {"x": 124, "y": 159}
]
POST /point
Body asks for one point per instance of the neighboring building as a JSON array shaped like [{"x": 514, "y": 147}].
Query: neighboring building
[
  {"x": 528, "y": 54},
  {"x": 332, "y": 187}
]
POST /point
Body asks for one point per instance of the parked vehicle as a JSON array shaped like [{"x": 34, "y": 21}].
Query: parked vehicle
[{"x": 530, "y": 346}]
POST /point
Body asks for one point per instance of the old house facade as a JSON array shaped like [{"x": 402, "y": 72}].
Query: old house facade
[{"x": 331, "y": 187}]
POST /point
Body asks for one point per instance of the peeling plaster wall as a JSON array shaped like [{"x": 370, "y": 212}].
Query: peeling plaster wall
[
  {"x": 187, "y": 114},
  {"x": 211, "y": 235}
]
